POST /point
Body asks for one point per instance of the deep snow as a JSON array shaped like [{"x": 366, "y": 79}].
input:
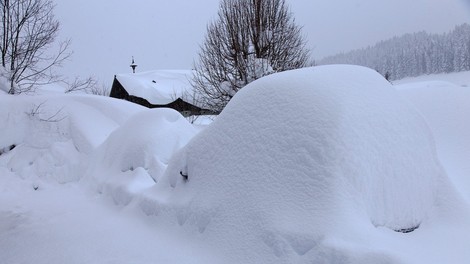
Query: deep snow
[
  {"x": 316, "y": 165},
  {"x": 136, "y": 154},
  {"x": 59, "y": 224},
  {"x": 457, "y": 78},
  {"x": 313, "y": 163},
  {"x": 446, "y": 109}
]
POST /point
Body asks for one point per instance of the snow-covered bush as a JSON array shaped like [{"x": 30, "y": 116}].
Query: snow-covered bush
[
  {"x": 52, "y": 133},
  {"x": 137, "y": 153}
]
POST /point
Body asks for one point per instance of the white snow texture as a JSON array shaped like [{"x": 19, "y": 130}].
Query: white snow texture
[
  {"x": 298, "y": 156},
  {"x": 329, "y": 164}
]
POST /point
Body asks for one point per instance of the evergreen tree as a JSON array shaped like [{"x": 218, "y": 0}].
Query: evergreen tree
[{"x": 414, "y": 54}]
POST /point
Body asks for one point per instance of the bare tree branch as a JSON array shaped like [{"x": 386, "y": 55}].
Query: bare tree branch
[
  {"x": 36, "y": 112},
  {"x": 87, "y": 85},
  {"x": 103, "y": 89},
  {"x": 28, "y": 30},
  {"x": 250, "y": 39}
]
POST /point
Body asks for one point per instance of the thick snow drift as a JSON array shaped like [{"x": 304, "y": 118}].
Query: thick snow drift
[
  {"x": 446, "y": 109},
  {"x": 136, "y": 154},
  {"x": 50, "y": 133},
  {"x": 457, "y": 78},
  {"x": 317, "y": 165},
  {"x": 301, "y": 155}
]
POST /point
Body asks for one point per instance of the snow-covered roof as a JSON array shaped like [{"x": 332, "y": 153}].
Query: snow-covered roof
[{"x": 157, "y": 87}]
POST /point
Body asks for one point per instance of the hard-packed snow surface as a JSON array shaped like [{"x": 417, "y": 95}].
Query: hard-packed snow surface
[
  {"x": 320, "y": 165},
  {"x": 158, "y": 87}
]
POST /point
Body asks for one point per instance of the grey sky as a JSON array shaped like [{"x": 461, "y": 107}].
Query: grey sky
[{"x": 165, "y": 34}]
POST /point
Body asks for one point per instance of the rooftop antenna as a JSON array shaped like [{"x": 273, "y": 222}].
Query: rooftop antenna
[{"x": 133, "y": 65}]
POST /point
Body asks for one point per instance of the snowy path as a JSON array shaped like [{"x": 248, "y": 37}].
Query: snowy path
[{"x": 64, "y": 224}]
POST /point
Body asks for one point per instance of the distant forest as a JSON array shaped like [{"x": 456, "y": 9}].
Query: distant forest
[{"x": 413, "y": 54}]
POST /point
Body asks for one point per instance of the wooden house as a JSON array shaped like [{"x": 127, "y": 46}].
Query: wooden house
[{"x": 163, "y": 88}]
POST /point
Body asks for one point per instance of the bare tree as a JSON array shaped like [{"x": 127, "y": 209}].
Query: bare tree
[
  {"x": 28, "y": 29},
  {"x": 85, "y": 85},
  {"x": 104, "y": 89},
  {"x": 248, "y": 40}
]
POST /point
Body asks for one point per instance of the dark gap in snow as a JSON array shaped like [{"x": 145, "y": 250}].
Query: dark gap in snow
[
  {"x": 131, "y": 168},
  {"x": 185, "y": 176},
  {"x": 407, "y": 230},
  {"x": 7, "y": 149}
]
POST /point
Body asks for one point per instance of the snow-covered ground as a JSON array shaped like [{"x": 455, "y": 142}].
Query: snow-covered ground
[
  {"x": 446, "y": 108},
  {"x": 330, "y": 164},
  {"x": 457, "y": 78}
]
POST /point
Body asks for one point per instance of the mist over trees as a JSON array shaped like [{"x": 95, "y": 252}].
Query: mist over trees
[
  {"x": 413, "y": 54},
  {"x": 248, "y": 40}
]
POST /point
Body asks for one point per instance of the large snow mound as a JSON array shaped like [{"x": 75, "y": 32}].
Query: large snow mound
[
  {"x": 136, "y": 154},
  {"x": 318, "y": 165},
  {"x": 298, "y": 155},
  {"x": 45, "y": 137}
]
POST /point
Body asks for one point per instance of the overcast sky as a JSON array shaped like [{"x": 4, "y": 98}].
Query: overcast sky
[{"x": 165, "y": 34}]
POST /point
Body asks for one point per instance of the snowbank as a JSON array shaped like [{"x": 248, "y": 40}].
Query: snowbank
[
  {"x": 306, "y": 165},
  {"x": 457, "y": 78},
  {"x": 136, "y": 154},
  {"x": 446, "y": 109},
  {"x": 45, "y": 137},
  {"x": 319, "y": 165}
]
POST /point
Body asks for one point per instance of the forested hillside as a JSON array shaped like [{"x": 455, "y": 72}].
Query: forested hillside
[{"x": 413, "y": 54}]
